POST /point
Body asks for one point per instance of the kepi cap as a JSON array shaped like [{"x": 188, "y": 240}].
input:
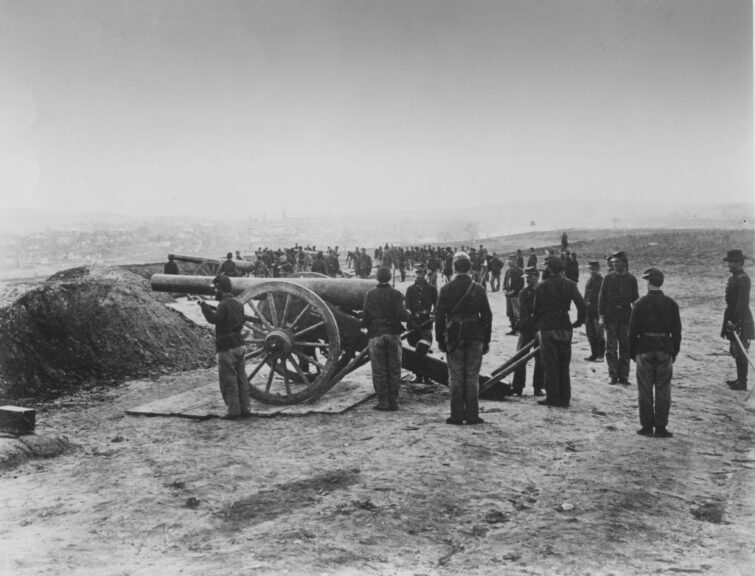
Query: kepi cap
[
  {"x": 594, "y": 264},
  {"x": 654, "y": 276},
  {"x": 620, "y": 255}
]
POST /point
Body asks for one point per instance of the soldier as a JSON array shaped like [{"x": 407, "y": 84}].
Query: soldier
[
  {"x": 553, "y": 298},
  {"x": 532, "y": 259},
  {"x": 592, "y": 323},
  {"x": 655, "y": 335},
  {"x": 495, "y": 266},
  {"x": 617, "y": 294},
  {"x": 420, "y": 301},
  {"x": 170, "y": 266},
  {"x": 463, "y": 325},
  {"x": 433, "y": 265},
  {"x": 519, "y": 259},
  {"x": 228, "y": 266},
  {"x": 572, "y": 267},
  {"x": 383, "y": 314},
  {"x": 364, "y": 264},
  {"x": 513, "y": 282},
  {"x": 228, "y": 319},
  {"x": 319, "y": 265},
  {"x": 527, "y": 333},
  {"x": 737, "y": 316},
  {"x": 331, "y": 262}
]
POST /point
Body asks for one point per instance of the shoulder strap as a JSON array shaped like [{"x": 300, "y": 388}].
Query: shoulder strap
[{"x": 460, "y": 300}]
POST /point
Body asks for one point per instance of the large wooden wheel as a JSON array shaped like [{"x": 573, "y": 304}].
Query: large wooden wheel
[
  {"x": 293, "y": 343},
  {"x": 207, "y": 268}
]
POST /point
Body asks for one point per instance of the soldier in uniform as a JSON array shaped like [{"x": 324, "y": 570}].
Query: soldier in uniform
[
  {"x": 513, "y": 282},
  {"x": 655, "y": 334},
  {"x": 170, "y": 266},
  {"x": 527, "y": 333},
  {"x": 617, "y": 294},
  {"x": 495, "y": 265},
  {"x": 228, "y": 266},
  {"x": 463, "y": 325},
  {"x": 737, "y": 316},
  {"x": 592, "y": 323},
  {"x": 553, "y": 298},
  {"x": 383, "y": 314},
  {"x": 228, "y": 319},
  {"x": 420, "y": 301},
  {"x": 364, "y": 264},
  {"x": 532, "y": 259}
]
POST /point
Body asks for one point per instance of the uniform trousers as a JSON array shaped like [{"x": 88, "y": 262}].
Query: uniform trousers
[
  {"x": 234, "y": 386},
  {"x": 654, "y": 371},
  {"x": 739, "y": 358},
  {"x": 555, "y": 353},
  {"x": 595, "y": 335},
  {"x": 385, "y": 359},
  {"x": 464, "y": 379},
  {"x": 520, "y": 374},
  {"x": 617, "y": 349}
]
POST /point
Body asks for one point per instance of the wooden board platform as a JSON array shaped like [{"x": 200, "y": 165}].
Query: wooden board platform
[{"x": 205, "y": 402}]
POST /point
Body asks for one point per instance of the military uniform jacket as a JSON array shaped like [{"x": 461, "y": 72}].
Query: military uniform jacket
[
  {"x": 617, "y": 294},
  {"x": 474, "y": 311},
  {"x": 553, "y": 298},
  {"x": 384, "y": 311},
  {"x": 421, "y": 297},
  {"x": 738, "y": 306},
  {"x": 655, "y": 325},
  {"x": 228, "y": 319},
  {"x": 513, "y": 280},
  {"x": 592, "y": 293}
]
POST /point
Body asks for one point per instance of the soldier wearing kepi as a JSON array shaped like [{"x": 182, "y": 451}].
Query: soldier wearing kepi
[
  {"x": 592, "y": 322},
  {"x": 383, "y": 314},
  {"x": 463, "y": 325},
  {"x": 527, "y": 333},
  {"x": 228, "y": 319},
  {"x": 737, "y": 316},
  {"x": 420, "y": 301},
  {"x": 655, "y": 335},
  {"x": 617, "y": 294}
]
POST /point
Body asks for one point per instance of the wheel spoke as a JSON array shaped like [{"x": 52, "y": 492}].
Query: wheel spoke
[
  {"x": 299, "y": 316},
  {"x": 285, "y": 310},
  {"x": 257, "y": 369},
  {"x": 319, "y": 345},
  {"x": 260, "y": 315},
  {"x": 310, "y": 328},
  {"x": 253, "y": 353},
  {"x": 270, "y": 376},
  {"x": 273, "y": 310},
  {"x": 285, "y": 378},
  {"x": 302, "y": 375},
  {"x": 255, "y": 341},
  {"x": 309, "y": 359}
]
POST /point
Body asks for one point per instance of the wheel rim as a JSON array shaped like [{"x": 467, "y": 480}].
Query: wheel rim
[
  {"x": 207, "y": 268},
  {"x": 292, "y": 340}
]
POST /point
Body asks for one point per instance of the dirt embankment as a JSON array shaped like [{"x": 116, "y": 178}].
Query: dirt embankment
[{"x": 93, "y": 326}]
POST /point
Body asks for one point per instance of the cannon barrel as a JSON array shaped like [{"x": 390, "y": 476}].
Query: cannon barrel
[
  {"x": 243, "y": 266},
  {"x": 346, "y": 293}
]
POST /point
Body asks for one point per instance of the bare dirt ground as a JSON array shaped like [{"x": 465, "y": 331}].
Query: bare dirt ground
[{"x": 534, "y": 490}]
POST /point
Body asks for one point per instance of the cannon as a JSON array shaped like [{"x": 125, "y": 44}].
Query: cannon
[
  {"x": 210, "y": 266},
  {"x": 303, "y": 335}
]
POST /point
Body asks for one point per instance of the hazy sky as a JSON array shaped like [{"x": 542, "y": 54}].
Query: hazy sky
[{"x": 154, "y": 106}]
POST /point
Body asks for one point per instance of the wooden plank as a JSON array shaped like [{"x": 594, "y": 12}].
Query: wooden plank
[{"x": 206, "y": 402}]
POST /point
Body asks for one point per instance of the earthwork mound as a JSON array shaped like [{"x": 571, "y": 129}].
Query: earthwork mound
[{"x": 92, "y": 326}]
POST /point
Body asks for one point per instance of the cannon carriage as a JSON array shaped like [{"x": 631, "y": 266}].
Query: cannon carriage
[{"x": 303, "y": 335}]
